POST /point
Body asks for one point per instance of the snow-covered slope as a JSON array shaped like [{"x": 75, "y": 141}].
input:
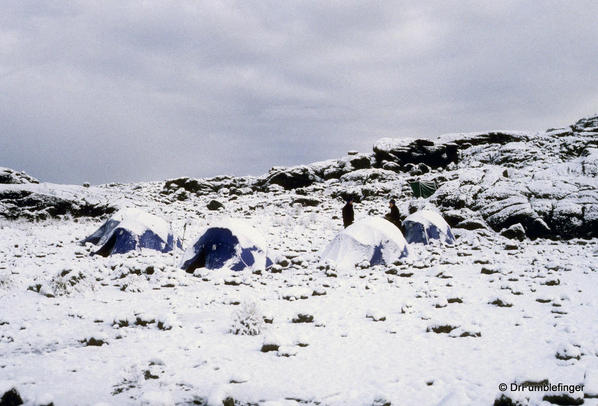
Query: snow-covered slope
[{"x": 446, "y": 325}]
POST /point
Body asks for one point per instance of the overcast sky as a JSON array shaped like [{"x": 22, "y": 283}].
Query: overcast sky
[{"x": 113, "y": 90}]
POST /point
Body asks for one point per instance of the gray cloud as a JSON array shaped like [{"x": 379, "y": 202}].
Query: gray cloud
[{"x": 127, "y": 91}]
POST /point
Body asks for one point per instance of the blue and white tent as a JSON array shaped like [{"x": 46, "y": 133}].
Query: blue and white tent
[
  {"x": 130, "y": 229},
  {"x": 425, "y": 225},
  {"x": 231, "y": 244},
  {"x": 372, "y": 239}
]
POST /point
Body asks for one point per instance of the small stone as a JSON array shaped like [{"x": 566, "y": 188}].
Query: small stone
[
  {"x": 567, "y": 352},
  {"x": 488, "y": 270},
  {"x": 215, "y": 205},
  {"x": 93, "y": 342},
  {"x": 375, "y": 316},
  {"x": 269, "y": 347},
  {"x": 514, "y": 232},
  {"x": 303, "y": 318},
  {"x": 441, "y": 329},
  {"x": 11, "y": 398},
  {"x": 500, "y": 303}
]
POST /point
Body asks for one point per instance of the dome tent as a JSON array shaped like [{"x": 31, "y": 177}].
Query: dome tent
[
  {"x": 372, "y": 239},
  {"x": 129, "y": 229},
  {"x": 426, "y": 225},
  {"x": 231, "y": 244}
]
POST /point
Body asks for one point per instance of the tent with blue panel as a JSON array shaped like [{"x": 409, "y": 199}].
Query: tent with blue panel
[
  {"x": 425, "y": 226},
  {"x": 231, "y": 244},
  {"x": 132, "y": 229},
  {"x": 372, "y": 239}
]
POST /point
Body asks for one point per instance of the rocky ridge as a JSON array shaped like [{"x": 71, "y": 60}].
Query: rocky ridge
[{"x": 542, "y": 183}]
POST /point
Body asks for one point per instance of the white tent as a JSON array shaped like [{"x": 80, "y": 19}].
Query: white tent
[
  {"x": 231, "y": 244},
  {"x": 130, "y": 229},
  {"x": 426, "y": 225},
  {"x": 372, "y": 239}
]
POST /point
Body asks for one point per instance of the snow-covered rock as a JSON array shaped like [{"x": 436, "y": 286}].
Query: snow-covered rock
[
  {"x": 292, "y": 178},
  {"x": 10, "y": 176},
  {"x": 34, "y": 201}
]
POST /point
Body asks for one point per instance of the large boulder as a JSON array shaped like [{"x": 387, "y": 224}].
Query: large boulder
[
  {"x": 550, "y": 207},
  {"x": 292, "y": 178},
  {"x": 418, "y": 151},
  {"x": 41, "y": 202},
  {"x": 544, "y": 182},
  {"x": 506, "y": 203},
  {"x": 196, "y": 186},
  {"x": 465, "y": 140},
  {"x": 587, "y": 124},
  {"x": 366, "y": 176},
  {"x": 360, "y": 161},
  {"x": 330, "y": 169}
]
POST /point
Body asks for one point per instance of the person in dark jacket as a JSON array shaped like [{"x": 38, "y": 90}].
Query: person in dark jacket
[
  {"x": 348, "y": 214},
  {"x": 393, "y": 216}
]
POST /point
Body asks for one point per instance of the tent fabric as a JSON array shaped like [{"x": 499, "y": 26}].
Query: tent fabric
[
  {"x": 232, "y": 244},
  {"x": 426, "y": 225},
  {"x": 130, "y": 229},
  {"x": 423, "y": 188},
  {"x": 372, "y": 239}
]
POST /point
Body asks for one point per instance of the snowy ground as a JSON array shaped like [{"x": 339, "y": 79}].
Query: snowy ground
[{"x": 447, "y": 326}]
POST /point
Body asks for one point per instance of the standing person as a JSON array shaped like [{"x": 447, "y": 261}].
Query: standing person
[
  {"x": 348, "y": 214},
  {"x": 393, "y": 216}
]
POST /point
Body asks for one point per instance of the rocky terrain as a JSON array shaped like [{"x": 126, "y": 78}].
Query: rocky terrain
[{"x": 511, "y": 302}]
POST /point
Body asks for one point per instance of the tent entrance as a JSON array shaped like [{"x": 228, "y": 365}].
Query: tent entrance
[
  {"x": 107, "y": 248},
  {"x": 213, "y": 249}
]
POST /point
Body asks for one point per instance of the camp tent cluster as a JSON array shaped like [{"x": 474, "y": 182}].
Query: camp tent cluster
[
  {"x": 234, "y": 244},
  {"x": 231, "y": 244},
  {"x": 379, "y": 242}
]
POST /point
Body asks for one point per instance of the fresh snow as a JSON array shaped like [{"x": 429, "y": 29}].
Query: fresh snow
[
  {"x": 444, "y": 325},
  {"x": 166, "y": 334}
]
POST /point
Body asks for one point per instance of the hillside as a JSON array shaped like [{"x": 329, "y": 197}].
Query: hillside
[{"x": 512, "y": 301}]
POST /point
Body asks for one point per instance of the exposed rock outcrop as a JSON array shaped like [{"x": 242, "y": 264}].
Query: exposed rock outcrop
[
  {"x": 549, "y": 188},
  {"x": 31, "y": 204},
  {"x": 12, "y": 177},
  {"x": 292, "y": 178},
  {"x": 543, "y": 183}
]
